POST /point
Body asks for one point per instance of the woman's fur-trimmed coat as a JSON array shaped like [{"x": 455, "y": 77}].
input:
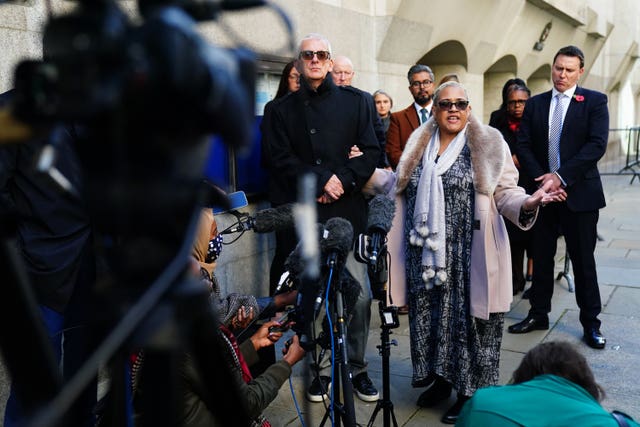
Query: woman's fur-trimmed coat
[{"x": 497, "y": 194}]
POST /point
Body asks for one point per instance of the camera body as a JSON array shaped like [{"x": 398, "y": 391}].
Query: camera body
[{"x": 160, "y": 74}]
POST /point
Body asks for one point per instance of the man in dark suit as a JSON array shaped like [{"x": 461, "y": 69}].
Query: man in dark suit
[
  {"x": 562, "y": 136},
  {"x": 406, "y": 121}
]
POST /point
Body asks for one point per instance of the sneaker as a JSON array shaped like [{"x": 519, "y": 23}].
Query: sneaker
[
  {"x": 364, "y": 388},
  {"x": 319, "y": 389}
]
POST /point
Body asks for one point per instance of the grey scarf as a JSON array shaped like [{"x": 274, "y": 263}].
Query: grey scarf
[{"x": 428, "y": 229}]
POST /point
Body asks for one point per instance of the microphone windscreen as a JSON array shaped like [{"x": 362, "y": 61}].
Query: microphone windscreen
[
  {"x": 338, "y": 236},
  {"x": 274, "y": 219},
  {"x": 351, "y": 289},
  {"x": 381, "y": 212}
]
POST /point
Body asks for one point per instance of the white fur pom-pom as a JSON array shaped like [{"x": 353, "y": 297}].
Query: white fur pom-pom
[
  {"x": 441, "y": 277},
  {"x": 430, "y": 273},
  {"x": 423, "y": 230},
  {"x": 415, "y": 239},
  {"x": 432, "y": 245}
]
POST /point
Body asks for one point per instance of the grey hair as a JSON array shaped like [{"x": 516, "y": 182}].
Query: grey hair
[
  {"x": 419, "y": 68},
  {"x": 381, "y": 92},
  {"x": 436, "y": 94},
  {"x": 316, "y": 36}
]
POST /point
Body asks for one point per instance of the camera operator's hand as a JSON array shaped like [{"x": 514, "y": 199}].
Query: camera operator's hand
[
  {"x": 292, "y": 351},
  {"x": 284, "y": 299},
  {"x": 264, "y": 337},
  {"x": 243, "y": 317}
]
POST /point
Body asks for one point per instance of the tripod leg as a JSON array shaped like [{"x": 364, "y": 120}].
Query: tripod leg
[
  {"x": 385, "y": 351},
  {"x": 375, "y": 413},
  {"x": 349, "y": 411}
]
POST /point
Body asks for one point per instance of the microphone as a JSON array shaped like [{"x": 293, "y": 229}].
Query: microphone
[
  {"x": 264, "y": 221},
  {"x": 351, "y": 290},
  {"x": 379, "y": 221},
  {"x": 337, "y": 240},
  {"x": 335, "y": 244}
]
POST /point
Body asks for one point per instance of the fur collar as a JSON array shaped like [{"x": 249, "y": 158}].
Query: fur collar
[{"x": 487, "y": 154}]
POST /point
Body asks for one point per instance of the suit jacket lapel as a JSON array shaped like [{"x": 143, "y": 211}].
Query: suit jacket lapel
[
  {"x": 546, "y": 105},
  {"x": 412, "y": 116},
  {"x": 574, "y": 107}
]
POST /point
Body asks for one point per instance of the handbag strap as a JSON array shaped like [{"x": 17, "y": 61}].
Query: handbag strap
[{"x": 620, "y": 418}]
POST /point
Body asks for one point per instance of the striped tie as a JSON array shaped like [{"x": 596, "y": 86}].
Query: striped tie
[{"x": 555, "y": 130}]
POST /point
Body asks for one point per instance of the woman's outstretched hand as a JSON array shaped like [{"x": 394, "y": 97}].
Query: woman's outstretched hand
[{"x": 545, "y": 195}]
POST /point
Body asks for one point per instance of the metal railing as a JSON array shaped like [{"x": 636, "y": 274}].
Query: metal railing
[{"x": 622, "y": 156}]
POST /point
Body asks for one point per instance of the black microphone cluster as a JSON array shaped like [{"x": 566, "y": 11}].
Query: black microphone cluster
[
  {"x": 264, "y": 221},
  {"x": 379, "y": 221},
  {"x": 335, "y": 241},
  {"x": 371, "y": 247}
]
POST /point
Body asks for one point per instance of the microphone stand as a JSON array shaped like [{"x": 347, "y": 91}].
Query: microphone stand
[
  {"x": 346, "y": 409},
  {"x": 388, "y": 320}
]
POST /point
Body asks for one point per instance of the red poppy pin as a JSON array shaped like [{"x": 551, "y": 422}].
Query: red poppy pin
[{"x": 578, "y": 98}]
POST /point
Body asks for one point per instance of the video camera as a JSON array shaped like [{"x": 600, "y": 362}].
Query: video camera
[
  {"x": 157, "y": 75},
  {"x": 145, "y": 96}
]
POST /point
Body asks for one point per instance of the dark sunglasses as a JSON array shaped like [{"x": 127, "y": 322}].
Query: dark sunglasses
[
  {"x": 446, "y": 105},
  {"x": 308, "y": 55}
]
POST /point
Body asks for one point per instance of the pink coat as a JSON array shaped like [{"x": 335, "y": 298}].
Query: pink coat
[{"x": 497, "y": 195}]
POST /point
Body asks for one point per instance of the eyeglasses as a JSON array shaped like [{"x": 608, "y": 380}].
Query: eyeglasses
[
  {"x": 308, "y": 55},
  {"x": 424, "y": 83},
  {"x": 460, "y": 104},
  {"x": 515, "y": 102}
]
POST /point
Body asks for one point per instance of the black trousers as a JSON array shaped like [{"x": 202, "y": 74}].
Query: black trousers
[{"x": 580, "y": 234}]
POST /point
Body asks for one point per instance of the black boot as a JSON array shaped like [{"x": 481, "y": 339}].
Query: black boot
[
  {"x": 439, "y": 391},
  {"x": 451, "y": 416}
]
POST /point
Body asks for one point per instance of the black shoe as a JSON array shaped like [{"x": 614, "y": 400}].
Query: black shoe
[
  {"x": 439, "y": 391},
  {"x": 529, "y": 324},
  {"x": 451, "y": 416},
  {"x": 526, "y": 294},
  {"x": 528, "y": 277},
  {"x": 364, "y": 388},
  {"x": 319, "y": 389},
  {"x": 425, "y": 382},
  {"x": 594, "y": 338}
]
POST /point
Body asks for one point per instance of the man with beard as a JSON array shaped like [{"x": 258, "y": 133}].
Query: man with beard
[{"x": 406, "y": 121}]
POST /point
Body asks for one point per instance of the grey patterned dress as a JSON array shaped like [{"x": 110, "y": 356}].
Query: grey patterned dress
[{"x": 445, "y": 339}]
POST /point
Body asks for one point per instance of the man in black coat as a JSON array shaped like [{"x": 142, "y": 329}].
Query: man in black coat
[
  {"x": 568, "y": 155},
  {"x": 313, "y": 130}
]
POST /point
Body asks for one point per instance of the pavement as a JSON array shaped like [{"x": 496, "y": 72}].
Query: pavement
[{"x": 615, "y": 367}]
